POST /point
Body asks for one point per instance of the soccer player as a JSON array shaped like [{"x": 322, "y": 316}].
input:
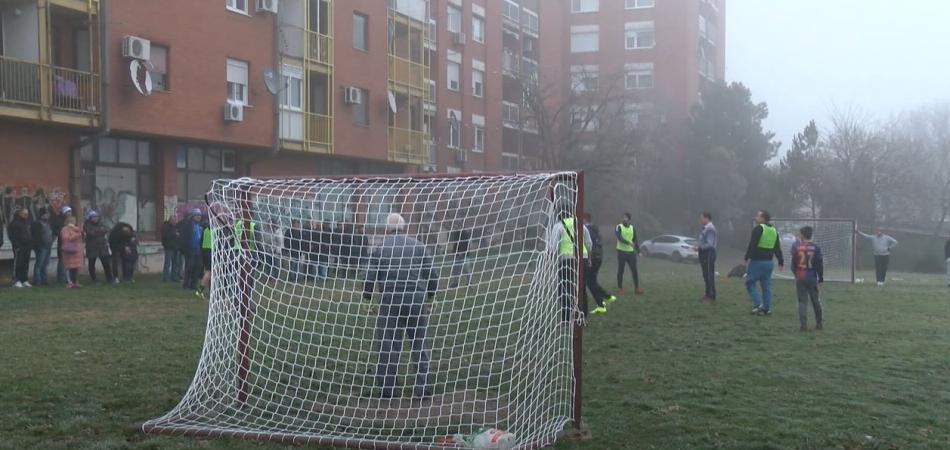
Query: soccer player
[
  {"x": 402, "y": 269},
  {"x": 592, "y": 268},
  {"x": 763, "y": 246},
  {"x": 628, "y": 248},
  {"x": 883, "y": 244},
  {"x": 561, "y": 239},
  {"x": 459, "y": 241},
  {"x": 207, "y": 245},
  {"x": 809, "y": 275}
]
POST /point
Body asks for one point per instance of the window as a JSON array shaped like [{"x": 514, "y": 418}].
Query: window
[
  {"x": 237, "y": 82},
  {"x": 452, "y": 76},
  {"x": 585, "y": 39},
  {"x": 239, "y": 6},
  {"x": 479, "y": 135},
  {"x": 455, "y": 20},
  {"x": 531, "y": 22},
  {"x": 638, "y": 116},
  {"x": 478, "y": 29},
  {"x": 510, "y": 114},
  {"x": 511, "y": 10},
  {"x": 360, "y": 39},
  {"x": 634, "y": 4},
  {"x": 639, "y": 35},
  {"x": 455, "y": 129},
  {"x": 291, "y": 97},
  {"x": 584, "y": 119},
  {"x": 585, "y": 78},
  {"x": 159, "y": 60},
  {"x": 198, "y": 167},
  {"x": 361, "y": 110},
  {"x": 118, "y": 180},
  {"x": 638, "y": 76},
  {"x": 584, "y": 6},
  {"x": 478, "y": 83}
]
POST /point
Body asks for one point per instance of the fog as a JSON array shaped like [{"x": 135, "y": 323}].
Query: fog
[{"x": 807, "y": 57}]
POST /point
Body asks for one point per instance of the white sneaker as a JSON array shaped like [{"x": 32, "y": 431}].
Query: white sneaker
[
  {"x": 27, "y": 284},
  {"x": 18, "y": 285},
  {"x": 880, "y": 284}
]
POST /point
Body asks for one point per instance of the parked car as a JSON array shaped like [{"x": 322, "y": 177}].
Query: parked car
[{"x": 677, "y": 248}]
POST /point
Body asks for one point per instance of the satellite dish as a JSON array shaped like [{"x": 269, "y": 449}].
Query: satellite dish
[
  {"x": 392, "y": 102},
  {"x": 271, "y": 82},
  {"x": 141, "y": 77}
]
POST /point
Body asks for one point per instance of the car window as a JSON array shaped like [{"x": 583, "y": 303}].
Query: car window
[
  {"x": 691, "y": 241},
  {"x": 666, "y": 239}
]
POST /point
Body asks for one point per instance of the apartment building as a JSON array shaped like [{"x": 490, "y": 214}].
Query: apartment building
[{"x": 132, "y": 107}]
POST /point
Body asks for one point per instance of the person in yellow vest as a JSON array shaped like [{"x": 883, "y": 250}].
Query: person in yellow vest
[
  {"x": 763, "y": 246},
  {"x": 207, "y": 245},
  {"x": 628, "y": 248},
  {"x": 561, "y": 239}
]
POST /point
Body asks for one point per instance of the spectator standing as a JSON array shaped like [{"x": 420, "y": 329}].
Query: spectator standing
[
  {"x": 628, "y": 250},
  {"x": 97, "y": 246},
  {"x": 42, "y": 233},
  {"x": 19, "y": 231},
  {"x": 293, "y": 248},
  {"x": 191, "y": 249},
  {"x": 128, "y": 251},
  {"x": 118, "y": 238},
  {"x": 707, "y": 243},
  {"x": 171, "y": 244},
  {"x": 882, "y": 244},
  {"x": 459, "y": 241},
  {"x": 70, "y": 238},
  {"x": 57, "y": 222}
]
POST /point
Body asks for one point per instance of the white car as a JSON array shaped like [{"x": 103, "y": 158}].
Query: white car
[{"x": 677, "y": 248}]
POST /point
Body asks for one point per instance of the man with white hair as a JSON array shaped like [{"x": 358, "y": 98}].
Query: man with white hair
[{"x": 401, "y": 269}]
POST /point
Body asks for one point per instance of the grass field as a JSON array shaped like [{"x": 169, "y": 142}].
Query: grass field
[{"x": 661, "y": 371}]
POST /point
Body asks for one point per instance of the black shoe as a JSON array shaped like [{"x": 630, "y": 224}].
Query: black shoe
[
  {"x": 819, "y": 327},
  {"x": 803, "y": 328}
]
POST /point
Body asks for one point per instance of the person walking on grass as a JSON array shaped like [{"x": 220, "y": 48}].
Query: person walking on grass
[
  {"x": 628, "y": 249},
  {"x": 97, "y": 246},
  {"x": 592, "y": 266},
  {"x": 882, "y": 244},
  {"x": 459, "y": 241},
  {"x": 70, "y": 238},
  {"x": 171, "y": 244},
  {"x": 42, "y": 233},
  {"x": 561, "y": 239},
  {"x": 19, "y": 231},
  {"x": 401, "y": 269},
  {"x": 207, "y": 246},
  {"x": 809, "y": 269},
  {"x": 707, "y": 243},
  {"x": 763, "y": 247}
]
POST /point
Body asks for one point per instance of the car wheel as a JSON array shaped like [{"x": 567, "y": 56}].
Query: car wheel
[
  {"x": 677, "y": 257},
  {"x": 644, "y": 251}
]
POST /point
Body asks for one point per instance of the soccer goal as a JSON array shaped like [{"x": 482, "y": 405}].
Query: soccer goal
[
  {"x": 295, "y": 352},
  {"x": 836, "y": 237}
]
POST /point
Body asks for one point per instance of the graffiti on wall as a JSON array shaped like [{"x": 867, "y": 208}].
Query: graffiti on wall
[
  {"x": 31, "y": 197},
  {"x": 181, "y": 209}
]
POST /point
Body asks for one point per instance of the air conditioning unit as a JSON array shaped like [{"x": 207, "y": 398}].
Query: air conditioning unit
[
  {"x": 459, "y": 38},
  {"x": 233, "y": 112},
  {"x": 269, "y": 6},
  {"x": 136, "y": 48},
  {"x": 352, "y": 95}
]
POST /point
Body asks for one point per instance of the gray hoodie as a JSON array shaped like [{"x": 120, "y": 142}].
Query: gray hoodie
[{"x": 882, "y": 244}]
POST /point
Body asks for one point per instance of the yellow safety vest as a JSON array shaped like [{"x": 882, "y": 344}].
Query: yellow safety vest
[
  {"x": 628, "y": 233},
  {"x": 239, "y": 231},
  {"x": 769, "y": 237},
  {"x": 566, "y": 244}
]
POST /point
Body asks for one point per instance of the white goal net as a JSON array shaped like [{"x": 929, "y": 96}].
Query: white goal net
[
  {"x": 835, "y": 237},
  {"x": 329, "y": 323}
]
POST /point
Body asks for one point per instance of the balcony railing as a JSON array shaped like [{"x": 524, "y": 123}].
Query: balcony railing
[
  {"x": 407, "y": 73},
  {"x": 320, "y": 130},
  {"x": 42, "y": 85},
  {"x": 408, "y": 146},
  {"x": 320, "y": 48}
]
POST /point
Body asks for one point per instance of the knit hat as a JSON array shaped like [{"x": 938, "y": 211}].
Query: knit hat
[
  {"x": 65, "y": 210},
  {"x": 196, "y": 212},
  {"x": 92, "y": 213}
]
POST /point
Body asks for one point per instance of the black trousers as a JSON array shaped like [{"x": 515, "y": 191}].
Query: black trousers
[
  {"x": 707, "y": 262},
  {"x": 592, "y": 285},
  {"x": 193, "y": 270},
  {"x": 567, "y": 287},
  {"x": 625, "y": 259},
  {"x": 808, "y": 292},
  {"x": 21, "y": 264},
  {"x": 881, "y": 262},
  {"x": 106, "y": 267}
]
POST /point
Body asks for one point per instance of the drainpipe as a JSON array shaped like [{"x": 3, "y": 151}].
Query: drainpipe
[{"x": 278, "y": 72}]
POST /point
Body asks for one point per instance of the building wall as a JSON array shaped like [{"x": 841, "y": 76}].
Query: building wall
[{"x": 200, "y": 36}]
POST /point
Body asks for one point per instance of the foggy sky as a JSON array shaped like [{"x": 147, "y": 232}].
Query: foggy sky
[{"x": 808, "y": 57}]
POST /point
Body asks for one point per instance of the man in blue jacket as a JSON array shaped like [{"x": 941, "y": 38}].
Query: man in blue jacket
[{"x": 402, "y": 270}]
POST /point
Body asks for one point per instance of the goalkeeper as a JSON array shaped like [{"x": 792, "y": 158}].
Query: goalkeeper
[{"x": 402, "y": 270}]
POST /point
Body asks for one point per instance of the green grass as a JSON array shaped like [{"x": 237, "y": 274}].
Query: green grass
[{"x": 661, "y": 371}]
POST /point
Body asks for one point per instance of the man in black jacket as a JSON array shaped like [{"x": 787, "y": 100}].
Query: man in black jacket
[
  {"x": 171, "y": 244},
  {"x": 42, "y": 235},
  {"x": 763, "y": 246},
  {"x": 57, "y": 223},
  {"x": 118, "y": 241},
  {"x": 22, "y": 241}
]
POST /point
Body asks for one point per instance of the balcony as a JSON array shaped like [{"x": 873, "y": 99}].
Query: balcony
[
  {"x": 46, "y": 92},
  {"x": 320, "y": 48},
  {"x": 510, "y": 64},
  {"x": 319, "y": 133},
  {"x": 407, "y": 75},
  {"x": 408, "y": 146}
]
